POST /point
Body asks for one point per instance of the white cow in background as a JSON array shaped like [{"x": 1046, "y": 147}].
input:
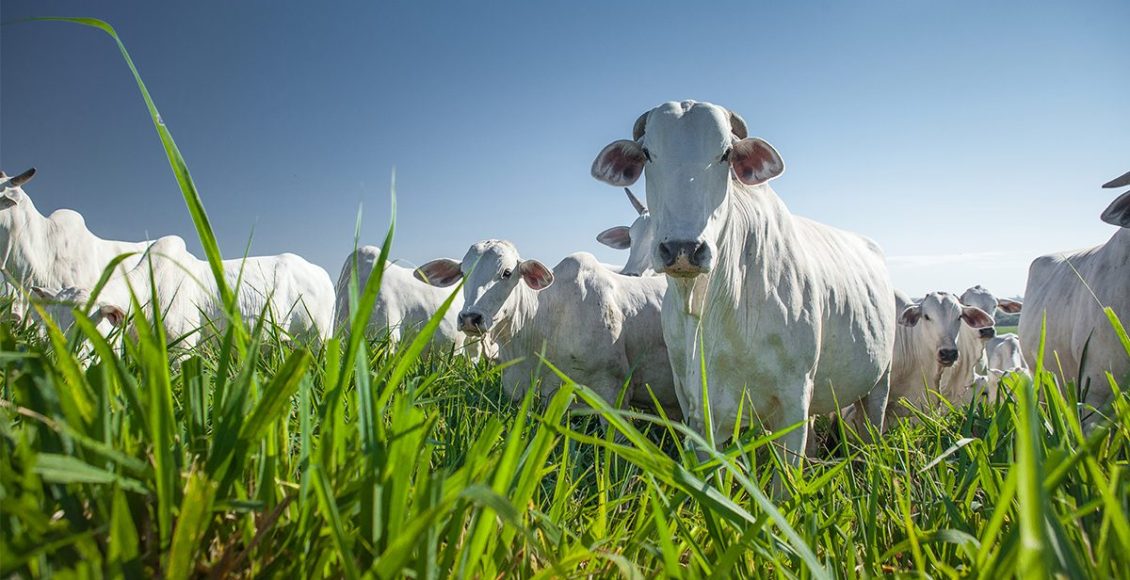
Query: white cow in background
[
  {"x": 404, "y": 304},
  {"x": 1071, "y": 289},
  {"x": 933, "y": 355},
  {"x": 293, "y": 293},
  {"x": 982, "y": 298},
  {"x": 596, "y": 326},
  {"x": 53, "y": 251},
  {"x": 637, "y": 239},
  {"x": 59, "y": 252},
  {"x": 1004, "y": 355},
  {"x": 793, "y": 316}
]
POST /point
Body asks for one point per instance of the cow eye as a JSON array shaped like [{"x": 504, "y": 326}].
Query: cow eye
[
  {"x": 726, "y": 155},
  {"x": 506, "y": 273},
  {"x": 926, "y": 316},
  {"x": 647, "y": 153}
]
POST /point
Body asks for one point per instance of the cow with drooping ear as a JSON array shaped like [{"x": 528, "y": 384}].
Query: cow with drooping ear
[
  {"x": 60, "y": 306},
  {"x": 1071, "y": 290},
  {"x": 599, "y": 328},
  {"x": 636, "y": 238},
  {"x": 785, "y": 314}
]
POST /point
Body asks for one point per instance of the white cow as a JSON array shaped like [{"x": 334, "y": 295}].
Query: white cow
[
  {"x": 404, "y": 304},
  {"x": 60, "y": 252},
  {"x": 596, "y": 326},
  {"x": 59, "y": 305},
  {"x": 1071, "y": 289},
  {"x": 53, "y": 251},
  {"x": 982, "y": 298},
  {"x": 1005, "y": 355},
  {"x": 793, "y": 316},
  {"x": 933, "y": 355},
  {"x": 293, "y": 293},
  {"x": 637, "y": 238}
]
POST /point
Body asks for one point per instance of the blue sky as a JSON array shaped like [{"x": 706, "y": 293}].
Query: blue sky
[{"x": 965, "y": 137}]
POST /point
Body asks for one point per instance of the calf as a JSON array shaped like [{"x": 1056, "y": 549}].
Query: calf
[{"x": 932, "y": 354}]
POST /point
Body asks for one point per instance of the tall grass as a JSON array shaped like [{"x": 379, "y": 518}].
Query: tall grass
[{"x": 362, "y": 458}]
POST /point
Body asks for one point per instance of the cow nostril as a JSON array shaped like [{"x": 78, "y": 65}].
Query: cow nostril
[
  {"x": 948, "y": 354},
  {"x": 700, "y": 254},
  {"x": 665, "y": 253}
]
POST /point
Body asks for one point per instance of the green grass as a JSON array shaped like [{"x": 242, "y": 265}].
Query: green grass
[
  {"x": 252, "y": 457},
  {"x": 1006, "y": 329}
]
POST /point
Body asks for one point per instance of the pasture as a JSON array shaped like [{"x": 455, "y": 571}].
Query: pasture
[{"x": 254, "y": 456}]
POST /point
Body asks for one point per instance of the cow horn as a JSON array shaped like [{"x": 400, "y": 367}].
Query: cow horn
[
  {"x": 737, "y": 126},
  {"x": 640, "y": 207},
  {"x": 23, "y": 178},
  {"x": 1118, "y": 181},
  {"x": 637, "y": 129}
]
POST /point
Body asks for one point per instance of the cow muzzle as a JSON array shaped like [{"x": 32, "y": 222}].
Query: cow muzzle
[
  {"x": 685, "y": 258},
  {"x": 472, "y": 323},
  {"x": 947, "y": 356},
  {"x": 988, "y": 332}
]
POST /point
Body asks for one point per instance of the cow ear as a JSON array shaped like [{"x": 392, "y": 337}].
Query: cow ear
[
  {"x": 441, "y": 272},
  {"x": 755, "y": 161},
  {"x": 1119, "y": 181},
  {"x": 10, "y": 197},
  {"x": 112, "y": 313},
  {"x": 910, "y": 315},
  {"x": 620, "y": 163},
  {"x": 975, "y": 317},
  {"x": 618, "y": 237},
  {"x": 536, "y": 275},
  {"x": 1118, "y": 213},
  {"x": 1010, "y": 306}
]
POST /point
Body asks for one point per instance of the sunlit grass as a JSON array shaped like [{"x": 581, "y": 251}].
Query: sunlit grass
[{"x": 254, "y": 457}]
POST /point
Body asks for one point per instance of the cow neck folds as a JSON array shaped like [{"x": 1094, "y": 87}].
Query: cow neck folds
[
  {"x": 755, "y": 235},
  {"x": 520, "y": 308}
]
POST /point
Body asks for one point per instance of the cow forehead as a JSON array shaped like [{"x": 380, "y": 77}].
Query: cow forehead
[
  {"x": 941, "y": 303},
  {"x": 72, "y": 295},
  {"x": 980, "y": 297},
  {"x": 704, "y": 123},
  {"x": 499, "y": 253}
]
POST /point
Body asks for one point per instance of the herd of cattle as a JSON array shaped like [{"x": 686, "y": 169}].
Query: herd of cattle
[{"x": 788, "y": 318}]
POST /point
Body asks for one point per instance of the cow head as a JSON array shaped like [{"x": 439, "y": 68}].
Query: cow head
[
  {"x": 13, "y": 193},
  {"x": 981, "y": 298},
  {"x": 1005, "y": 354},
  {"x": 492, "y": 270},
  {"x": 691, "y": 153},
  {"x": 638, "y": 237},
  {"x": 61, "y": 304},
  {"x": 937, "y": 319}
]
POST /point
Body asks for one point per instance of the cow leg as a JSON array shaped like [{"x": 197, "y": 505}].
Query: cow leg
[
  {"x": 791, "y": 411},
  {"x": 872, "y": 408}
]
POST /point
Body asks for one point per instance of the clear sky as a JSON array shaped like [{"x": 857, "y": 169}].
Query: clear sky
[{"x": 965, "y": 137}]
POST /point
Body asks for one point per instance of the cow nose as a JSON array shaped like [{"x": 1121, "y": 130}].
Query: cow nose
[
  {"x": 470, "y": 322},
  {"x": 988, "y": 332},
  {"x": 684, "y": 256},
  {"x": 947, "y": 356}
]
